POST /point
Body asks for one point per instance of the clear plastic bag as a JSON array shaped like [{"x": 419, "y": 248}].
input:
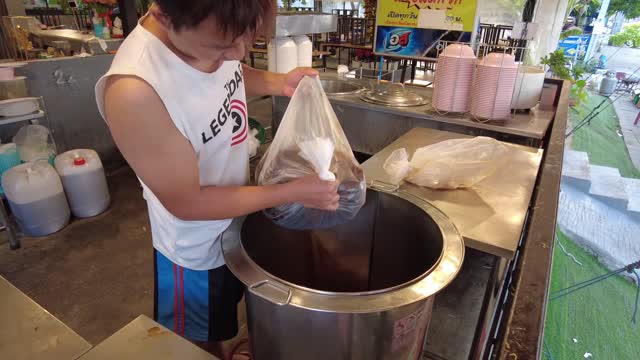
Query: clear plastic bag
[
  {"x": 451, "y": 164},
  {"x": 34, "y": 143},
  {"x": 309, "y": 141}
]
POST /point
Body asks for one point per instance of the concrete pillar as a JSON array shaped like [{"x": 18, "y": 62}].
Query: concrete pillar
[
  {"x": 550, "y": 17},
  {"x": 15, "y": 7}
]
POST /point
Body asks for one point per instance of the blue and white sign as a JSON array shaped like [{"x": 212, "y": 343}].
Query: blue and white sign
[{"x": 575, "y": 46}]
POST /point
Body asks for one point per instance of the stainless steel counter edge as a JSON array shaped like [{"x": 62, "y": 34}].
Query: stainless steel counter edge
[
  {"x": 426, "y": 112},
  {"x": 524, "y": 328}
]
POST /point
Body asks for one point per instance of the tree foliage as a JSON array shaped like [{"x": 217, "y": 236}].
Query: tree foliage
[
  {"x": 630, "y": 8},
  {"x": 572, "y": 31},
  {"x": 630, "y": 36}
]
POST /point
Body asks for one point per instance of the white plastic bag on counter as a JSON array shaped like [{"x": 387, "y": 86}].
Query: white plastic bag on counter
[
  {"x": 450, "y": 164},
  {"x": 309, "y": 141}
]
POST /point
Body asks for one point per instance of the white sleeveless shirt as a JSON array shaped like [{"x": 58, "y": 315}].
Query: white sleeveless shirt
[{"x": 210, "y": 111}]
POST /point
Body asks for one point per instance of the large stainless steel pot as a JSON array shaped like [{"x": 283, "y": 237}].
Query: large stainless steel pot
[{"x": 362, "y": 290}]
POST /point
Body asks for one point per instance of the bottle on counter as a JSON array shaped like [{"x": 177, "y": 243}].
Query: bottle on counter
[
  {"x": 117, "y": 30},
  {"x": 98, "y": 27},
  {"x": 9, "y": 158}
]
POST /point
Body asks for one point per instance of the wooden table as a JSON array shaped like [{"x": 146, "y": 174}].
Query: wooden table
[
  {"x": 30, "y": 332},
  {"x": 348, "y": 46},
  {"x": 322, "y": 54},
  {"x": 145, "y": 339}
]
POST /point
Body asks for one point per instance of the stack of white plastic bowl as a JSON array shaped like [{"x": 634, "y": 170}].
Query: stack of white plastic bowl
[
  {"x": 305, "y": 50},
  {"x": 454, "y": 77},
  {"x": 493, "y": 86},
  {"x": 286, "y": 55},
  {"x": 528, "y": 89}
]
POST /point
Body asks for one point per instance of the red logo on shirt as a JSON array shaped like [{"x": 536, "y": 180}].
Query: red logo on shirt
[
  {"x": 230, "y": 109},
  {"x": 240, "y": 123}
]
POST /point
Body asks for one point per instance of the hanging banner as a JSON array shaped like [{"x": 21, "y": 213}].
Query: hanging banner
[
  {"x": 457, "y": 15},
  {"x": 412, "y": 28}
]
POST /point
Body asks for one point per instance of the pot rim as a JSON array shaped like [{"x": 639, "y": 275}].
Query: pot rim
[
  {"x": 280, "y": 292},
  {"x": 357, "y": 88}
]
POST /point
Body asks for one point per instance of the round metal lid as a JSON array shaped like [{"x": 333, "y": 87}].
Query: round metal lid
[{"x": 396, "y": 96}]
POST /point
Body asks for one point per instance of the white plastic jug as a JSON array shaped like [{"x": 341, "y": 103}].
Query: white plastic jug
[
  {"x": 286, "y": 55},
  {"x": 305, "y": 50},
  {"x": 271, "y": 56},
  {"x": 84, "y": 182},
  {"x": 36, "y": 198}
]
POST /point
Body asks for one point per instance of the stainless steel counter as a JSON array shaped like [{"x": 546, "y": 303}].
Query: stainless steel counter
[
  {"x": 143, "y": 339},
  {"x": 77, "y": 40},
  {"x": 459, "y": 309},
  {"x": 30, "y": 332},
  {"x": 490, "y": 215},
  {"x": 370, "y": 127}
]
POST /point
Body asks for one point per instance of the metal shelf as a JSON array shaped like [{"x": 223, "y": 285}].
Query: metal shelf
[
  {"x": 14, "y": 241},
  {"x": 14, "y": 119}
]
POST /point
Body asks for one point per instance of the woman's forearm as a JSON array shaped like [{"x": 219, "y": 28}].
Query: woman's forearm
[
  {"x": 225, "y": 202},
  {"x": 260, "y": 82}
]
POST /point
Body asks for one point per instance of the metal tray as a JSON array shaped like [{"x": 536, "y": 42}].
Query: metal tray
[{"x": 395, "y": 96}]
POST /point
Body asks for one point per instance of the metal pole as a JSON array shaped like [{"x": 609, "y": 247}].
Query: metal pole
[
  {"x": 14, "y": 242},
  {"x": 128, "y": 14},
  {"x": 598, "y": 28},
  {"x": 529, "y": 11}
]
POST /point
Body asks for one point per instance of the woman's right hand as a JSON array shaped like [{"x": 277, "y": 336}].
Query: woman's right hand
[{"x": 314, "y": 193}]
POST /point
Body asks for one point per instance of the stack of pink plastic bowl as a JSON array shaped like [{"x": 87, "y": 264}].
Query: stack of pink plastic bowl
[
  {"x": 7, "y": 70},
  {"x": 454, "y": 77},
  {"x": 493, "y": 85}
]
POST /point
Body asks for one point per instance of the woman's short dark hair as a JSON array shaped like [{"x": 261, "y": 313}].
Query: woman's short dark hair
[{"x": 234, "y": 17}]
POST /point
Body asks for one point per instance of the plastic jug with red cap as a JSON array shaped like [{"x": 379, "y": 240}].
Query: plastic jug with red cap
[{"x": 84, "y": 182}]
